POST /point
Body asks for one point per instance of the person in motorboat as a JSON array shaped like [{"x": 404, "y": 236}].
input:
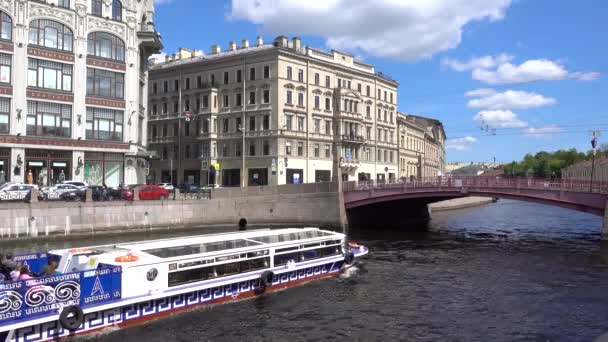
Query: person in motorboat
[
  {"x": 24, "y": 273},
  {"x": 16, "y": 273}
]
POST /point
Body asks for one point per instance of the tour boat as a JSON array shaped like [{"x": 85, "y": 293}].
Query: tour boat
[{"x": 124, "y": 284}]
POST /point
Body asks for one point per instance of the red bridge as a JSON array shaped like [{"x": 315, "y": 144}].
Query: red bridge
[{"x": 369, "y": 202}]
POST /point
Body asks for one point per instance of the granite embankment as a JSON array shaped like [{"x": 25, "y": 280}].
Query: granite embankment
[{"x": 319, "y": 204}]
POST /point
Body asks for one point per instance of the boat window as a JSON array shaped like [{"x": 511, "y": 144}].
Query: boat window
[
  {"x": 169, "y": 252},
  {"x": 310, "y": 254},
  {"x": 310, "y": 234},
  {"x": 210, "y": 272},
  {"x": 283, "y": 259},
  {"x": 294, "y": 248}
]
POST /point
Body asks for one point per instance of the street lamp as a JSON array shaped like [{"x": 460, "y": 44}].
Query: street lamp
[{"x": 594, "y": 136}]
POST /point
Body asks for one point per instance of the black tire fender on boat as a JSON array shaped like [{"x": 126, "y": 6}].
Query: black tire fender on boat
[
  {"x": 349, "y": 258},
  {"x": 71, "y": 317},
  {"x": 266, "y": 279}
]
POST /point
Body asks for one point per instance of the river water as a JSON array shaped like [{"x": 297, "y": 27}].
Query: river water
[{"x": 508, "y": 271}]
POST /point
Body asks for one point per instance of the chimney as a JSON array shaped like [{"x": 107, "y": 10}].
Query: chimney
[
  {"x": 280, "y": 41},
  {"x": 232, "y": 46},
  {"x": 215, "y": 49},
  {"x": 297, "y": 43},
  {"x": 260, "y": 41},
  {"x": 245, "y": 44}
]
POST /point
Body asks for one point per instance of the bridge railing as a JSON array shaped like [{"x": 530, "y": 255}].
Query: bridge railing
[{"x": 449, "y": 183}]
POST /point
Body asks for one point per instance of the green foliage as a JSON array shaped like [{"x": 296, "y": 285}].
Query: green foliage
[{"x": 548, "y": 164}]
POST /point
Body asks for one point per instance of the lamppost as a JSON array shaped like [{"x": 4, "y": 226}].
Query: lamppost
[{"x": 594, "y": 136}]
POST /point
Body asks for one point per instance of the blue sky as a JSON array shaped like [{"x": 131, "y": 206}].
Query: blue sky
[{"x": 535, "y": 70}]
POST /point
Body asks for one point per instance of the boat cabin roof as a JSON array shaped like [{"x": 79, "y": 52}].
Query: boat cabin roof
[{"x": 155, "y": 251}]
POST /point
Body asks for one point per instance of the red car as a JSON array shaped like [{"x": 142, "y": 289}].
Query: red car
[{"x": 152, "y": 192}]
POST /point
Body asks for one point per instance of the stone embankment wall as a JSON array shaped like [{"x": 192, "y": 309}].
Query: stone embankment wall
[
  {"x": 460, "y": 203},
  {"x": 317, "y": 204}
]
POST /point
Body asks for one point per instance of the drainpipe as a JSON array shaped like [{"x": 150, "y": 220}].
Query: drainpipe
[
  {"x": 243, "y": 123},
  {"x": 306, "y": 179}
]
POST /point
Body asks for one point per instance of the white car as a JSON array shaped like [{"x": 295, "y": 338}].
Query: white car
[
  {"x": 78, "y": 184},
  {"x": 54, "y": 192},
  {"x": 167, "y": 186},
  {"x": 15, "y": 192}
]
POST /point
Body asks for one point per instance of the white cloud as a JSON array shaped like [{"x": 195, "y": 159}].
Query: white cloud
[
  {"x": 530, "y": 71},
  {"x": 480, "y": 92},
  {"x": 399, "y": 29},
  {"x": 460, "y": 144},
  {"x": 499, "y": 119},
  {"x": 511, "y": 99},
  {"x": 484, "y": 62},
  {"x": 544, "y": 132}
]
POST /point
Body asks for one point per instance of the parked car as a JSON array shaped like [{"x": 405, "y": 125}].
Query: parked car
[
  {"x": 14, "y": 192},
  {"x": 55, "y": 192},
  {"x": 77, "y": 194},
  {"x": 167, "y": 186},
  {"x": 152, "y": 192},
  {"x": 97, "y": 193},
  {"x": 75, "y": 183},
  {"x": 188, "y": 188}
]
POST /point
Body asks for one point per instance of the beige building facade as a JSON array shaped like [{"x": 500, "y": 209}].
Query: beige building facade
[
  {"x": 72, "y": 90},
  {"x": 287, "y": 110},
  {"x": 421, "y": 147}
]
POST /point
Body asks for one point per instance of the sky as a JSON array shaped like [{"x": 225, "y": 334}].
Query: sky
[{"x": 506, "y": 77}]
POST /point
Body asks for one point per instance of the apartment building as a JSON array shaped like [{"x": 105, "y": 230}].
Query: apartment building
[
  {"x": 73, "y": 96},
  {"x": 282, "y": 112},
  {"x": 421, "y": 147}
]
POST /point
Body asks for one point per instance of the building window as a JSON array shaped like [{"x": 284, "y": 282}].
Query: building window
[
  {"x": 49, "y": 119},
  {"x": 239, "y": 76},
  {"x": 301, "y": 99},
  {"x": 391, "y": 97},
  {"x": 266, "y": 71},
  {"x": 252, "y": 123},
  {"x": 300, "y": 124},
  {"x": 5, "y": 110},
  {"x": 105, "y": 83},
  {"x": 238, "y": 100},
  {"x": 105, "y": 45},
  {"x": 367, "y": 90},
  {"x": 300, "y": 75},
  {"x": 327, "y": 104},
  {"x": 226, "y": 125},
  {"x": 327, "y": 127},
  {"x": 154, "y": 109},
  {"x": 176, "y": 85},
  {"x": 226, "y": 101},
  {"x": 300, "y": 148},
  {"x": 359, "y": 87},
  {"x": 317, "y": 102},
  {"x": 317, "y": 125},
  {"x": 252, "y": 74},
  {"x": 369, "y": 133},
  {"x": 252, "y": 97},
  {"x": 289, "y": 97},
  {"x": 104, "y": 124},
  {"x": 198, "y": 104},
  {"x": 379, "y": 155},
  {"x": 205, "y": 101},
  {"x": 317, "y": 79},
  {"x": 266, "y": 148},
  {"x": 288, "y": 148},
  {"x": 226, "y": 77},
  {"x": 289, "y": 73},
  {"x": 385, "y": 95},
  {"x": 165, "y": 86},
  {"x": 6, "y": 26},
  {"x": 327, "y": 151},
  {"x": 317, "y": 150},
  {"x": 266, "y": 97},
  {"x": 96, "y": 7},
  {"x": 63, "y": 3},
  {"x": 154, "y": 88},
  {"x": 187, "y": 105},
  {"x": 288, "y": 122},
  {"x": 49, "y": 75},
  {"x": 199, "y": 81},
  {"x": 165, "y": 110},
  {"x": 117, "y": 10},
  {"x": 187, "y": 83},
  {"x": 50, "y": 34},
  {"x": 327, "y": 82},
  {"x": 252, "y": 149},
  {"x": 5, "y": 68},
  {"x": 237, "y": 149},
  {"x": 266, "y": 122}
]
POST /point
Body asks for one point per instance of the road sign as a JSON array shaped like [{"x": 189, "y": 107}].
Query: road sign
[{"x": 204, "y": 165}]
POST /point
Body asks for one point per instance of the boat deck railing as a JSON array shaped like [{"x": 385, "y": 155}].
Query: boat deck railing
[{"x": 47, "y": 295}]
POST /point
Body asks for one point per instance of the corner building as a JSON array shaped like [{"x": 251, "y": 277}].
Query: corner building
[
  {"x": 292, "y": 110},
  {"x": 72, "y": 89},
  {"x": 421, "y": 147}
]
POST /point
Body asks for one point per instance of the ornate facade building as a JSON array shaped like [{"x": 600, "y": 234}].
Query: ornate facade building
[
  {"x": 421, "y": 147},
  {"x": 73, "y": 80},
  {"x": 282, "y": 112}
]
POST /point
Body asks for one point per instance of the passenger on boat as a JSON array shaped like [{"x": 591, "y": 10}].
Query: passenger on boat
[
  {"x": 8, "y": 260},
  {"x": 24, "y": 273},
  {"x": 50, "y": 269},
  {"x": 5, "y": 270},
  {"x": 15, "y": 273}
]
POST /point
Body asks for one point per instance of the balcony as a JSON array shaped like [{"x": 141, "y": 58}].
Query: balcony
[
  {"x": 352, "y": 138},
  {"x": 149, "y": 39},
  {"x": 349, "y": 164}
]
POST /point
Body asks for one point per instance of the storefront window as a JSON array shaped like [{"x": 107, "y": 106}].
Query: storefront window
[
  {"x": 104, "y": 168},
  {"x": 47, "y": 167}
]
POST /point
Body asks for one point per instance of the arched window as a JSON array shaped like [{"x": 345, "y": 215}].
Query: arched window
[
  {"x": 106, "y": 45},
  {"x": 96, "y": 7},
  {"x": 116, "y": 10},
  {"x": 6, "y": 26},
  {"x": 50, "y": 34}
]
